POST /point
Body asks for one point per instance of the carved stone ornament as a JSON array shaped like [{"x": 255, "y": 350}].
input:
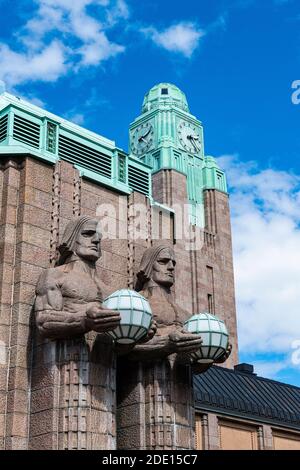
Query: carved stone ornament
[{"x": 69, "y": 296}]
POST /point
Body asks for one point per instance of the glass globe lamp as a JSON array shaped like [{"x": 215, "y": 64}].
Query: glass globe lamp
[
  {"x": 214, "y": 335},
  {"x": 136, "y": 315}
]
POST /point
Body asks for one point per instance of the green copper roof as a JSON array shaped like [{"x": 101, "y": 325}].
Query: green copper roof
[
  {"x": 213, "y": 176},
  {"x": 167, "y": 136},
  {"x": 28, "y": 129},
  {"x": 176, "y": 142},
  {"x": 164, "y": 94}
]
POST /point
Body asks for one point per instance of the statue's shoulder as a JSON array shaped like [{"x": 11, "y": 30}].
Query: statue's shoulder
[
  {"x": 181, "y": 314},
  {"x": 144, "y": 293},
  {"x": 50, "y": 277},
  {"x": 104, "y": 289}
]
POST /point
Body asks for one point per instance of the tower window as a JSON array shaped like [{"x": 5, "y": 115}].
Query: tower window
[{"x": 164, "y": 91}]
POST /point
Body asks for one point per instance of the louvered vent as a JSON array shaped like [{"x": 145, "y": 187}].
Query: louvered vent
[
  {"x": 122, "y": 169},
  {"x": 26, "y": 131},
  {"x": 3, "y": 127},
  {"x": 86, "y": 157},
  {"x": 138, "y": 180}
]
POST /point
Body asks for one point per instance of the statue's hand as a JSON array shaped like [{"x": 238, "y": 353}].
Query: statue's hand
[
  {"x": 224, "y": 356},
  {"x": 101, "y": 319},
  {"x": 185, "y": 343},
  {"x": 150, "y": 333}
]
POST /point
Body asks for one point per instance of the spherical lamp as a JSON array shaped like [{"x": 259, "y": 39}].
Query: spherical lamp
[
  {"x": 214, "y": 335},
  {"x": 136, "y": 315}
]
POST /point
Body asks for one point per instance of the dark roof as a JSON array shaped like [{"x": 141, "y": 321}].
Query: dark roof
[{"x": 245, "y": 395}]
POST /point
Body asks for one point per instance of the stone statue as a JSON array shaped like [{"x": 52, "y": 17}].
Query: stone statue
[
  {"x": 162, "y": 402},
  {"x": 69, "y": 296},
  {"x": 69, "y": 354},
  {"x": 155, "y": 380},
  {"x": 154, "y": 281}
]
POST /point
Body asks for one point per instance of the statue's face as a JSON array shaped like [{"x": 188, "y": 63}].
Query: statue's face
[
  {"x": 163, "y": 268},
  {"x": 88, "y": 242}
]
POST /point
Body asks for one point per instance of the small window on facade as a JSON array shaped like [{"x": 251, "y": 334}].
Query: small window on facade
[
  {"x": 210, "y": 301},
  {"x": 51, "y": 137},
  {"x": 122, "y": 169},
  {"x": 164, "y": 91},
  {"x": 160, "y": 225},
  {"x": 172, "y": 228}
]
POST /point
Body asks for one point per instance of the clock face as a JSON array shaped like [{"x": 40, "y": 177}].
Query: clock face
[
  {"x": 142, "y": 138},
  {"x": 189, "y": 137}
]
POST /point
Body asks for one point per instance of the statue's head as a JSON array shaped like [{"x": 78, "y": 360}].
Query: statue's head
[
  {"x": 158, "y": 266},
  {"x": 82, "y": 237}
]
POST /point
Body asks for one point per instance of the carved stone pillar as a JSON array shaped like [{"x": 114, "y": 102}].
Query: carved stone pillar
[
  {"x": 73, "y": 395},
  {"x": 155, "y": 405}
]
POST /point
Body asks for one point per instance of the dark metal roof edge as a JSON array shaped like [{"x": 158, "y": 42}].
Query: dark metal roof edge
[
  {"x": 246, "y": 416},
  {"x": 261, "y": 408},
  {"x": 258, "y": 377}
]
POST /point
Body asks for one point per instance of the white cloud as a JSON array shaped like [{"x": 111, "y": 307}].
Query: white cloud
[
  {"x": 81, "y": 113},
  {"x": 62, "y": 35},
  {"x": 77, "y": 118},
  {"x": 119, "y": 11},
  {"x": 182, "y": 38},
  {"x": 33, "y": 99},
  {"x": 2, "y": 86},
  {"x": 47, "y": 65},
  {"x": 269, "y": 369},
  {"x": 98, "y": 50},
  {"x": 265, "y": 207}
]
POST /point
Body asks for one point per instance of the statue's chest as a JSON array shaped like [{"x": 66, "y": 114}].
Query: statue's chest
[
  {"x": 82, "y": 287},
  {"x": 166, "y": 313}
]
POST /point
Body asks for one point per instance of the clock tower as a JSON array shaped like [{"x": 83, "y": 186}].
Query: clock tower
[
  {"x": 166, "y": 136},
  {"x": 190, "y": 191}
]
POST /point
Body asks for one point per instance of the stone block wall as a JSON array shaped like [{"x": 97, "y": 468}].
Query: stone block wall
[{"x": 26, "y": 202}]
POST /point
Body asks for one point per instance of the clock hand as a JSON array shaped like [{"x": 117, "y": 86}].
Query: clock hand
[
  {"x": 193, "y": 138},
  {"x": 145, "y": 135},
  {"x": 194, "y": 145}
]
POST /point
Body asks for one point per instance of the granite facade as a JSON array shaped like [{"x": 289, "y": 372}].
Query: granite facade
[{"x": 51, "y": 393}]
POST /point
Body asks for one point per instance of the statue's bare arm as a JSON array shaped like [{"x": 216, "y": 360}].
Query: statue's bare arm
[
  {"x": 162, "y": 345},
  {"x": 52, "y": 320},
  {"x": 56, "y": 321}
]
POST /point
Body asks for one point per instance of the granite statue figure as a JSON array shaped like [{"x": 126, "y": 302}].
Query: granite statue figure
[{"x": 69, "y": 296}]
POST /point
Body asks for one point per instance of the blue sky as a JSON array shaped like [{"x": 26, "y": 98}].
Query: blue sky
[{"x": 92, "y": 61}]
